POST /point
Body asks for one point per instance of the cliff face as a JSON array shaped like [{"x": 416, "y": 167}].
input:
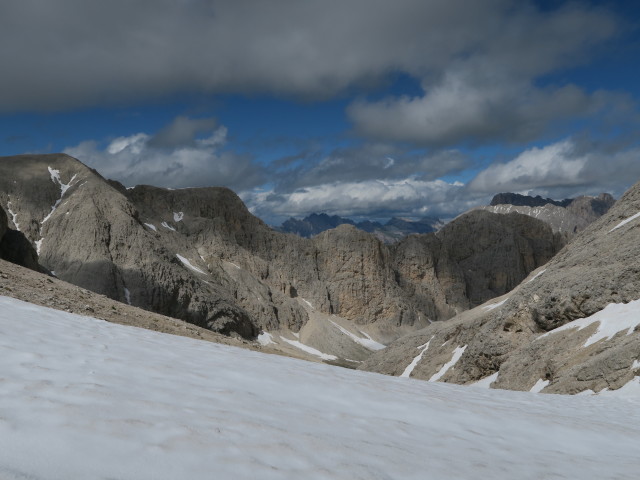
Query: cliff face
[
  {"x": 474, "y": 258},
  {"x": 526, "y": 338}
]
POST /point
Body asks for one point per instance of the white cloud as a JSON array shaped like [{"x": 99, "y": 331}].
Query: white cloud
[
  {"x": 563, "y": 169},
  {"x": 135, "y": 160},
  {"x": 371, "y": 198},
  {"x": 550, "y": 166}
]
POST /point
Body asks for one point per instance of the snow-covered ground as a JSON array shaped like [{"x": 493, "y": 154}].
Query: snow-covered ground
[{"x": 83, "y": 399}]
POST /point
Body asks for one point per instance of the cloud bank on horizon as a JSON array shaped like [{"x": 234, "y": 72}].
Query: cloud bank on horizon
[{"x": 443, "y": 103}]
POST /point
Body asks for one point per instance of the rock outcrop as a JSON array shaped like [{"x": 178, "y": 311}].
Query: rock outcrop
[{"x": 526, "y": 340}]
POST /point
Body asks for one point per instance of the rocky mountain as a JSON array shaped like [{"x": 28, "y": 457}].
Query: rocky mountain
[
  {"x": 568, "y": 216},
  {"x": 519, "y": 200},
  {"x": 573, "y": 326},
  {"x": 199, "y": 255},
  {"x": 390, "y": 232}
]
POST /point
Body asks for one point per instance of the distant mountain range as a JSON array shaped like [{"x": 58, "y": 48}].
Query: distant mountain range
[{"x": 390, "y": 232}]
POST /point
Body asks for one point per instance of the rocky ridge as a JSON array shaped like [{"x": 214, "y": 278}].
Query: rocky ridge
[
  {"x": 525, "y": 340},
  {"x": 199, "y": 255}
]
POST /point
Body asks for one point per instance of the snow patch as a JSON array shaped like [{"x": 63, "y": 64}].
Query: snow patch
[
  {"x": 14, "y": 216},
  {"x": 151, "y": 226},
  {"x": 368, "y": 343},
  {"x": 178, "y": 216},
  {"x": 614, "y": 318},
  {"x": 457, "y": 353},
  {"x": 537, "y": 275},
  {"x": 308, "y": 349},
  {"x": 636, "y": 364},
  {"x": 188, "y": 264},
  {"x": 495, "y": 305},
  {"x": 265, "y": 338},
  {"x": 38, "y": 245},
  {"x": 127, "y": 295},
  {"x": 624, "y": 222},
  {"x": 308, "y": 303},
  {"x": 55, "y": 178},
  {"x": 539, "y": 386},
  {"x": 166, "y": 225},
  {"x": 416, "y": 360},
  {"x": 486, "y": 381},
  {"x": 630, "y": 390}
]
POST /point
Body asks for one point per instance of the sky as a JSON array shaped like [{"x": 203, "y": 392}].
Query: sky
[{"x": 360, "y": 108}]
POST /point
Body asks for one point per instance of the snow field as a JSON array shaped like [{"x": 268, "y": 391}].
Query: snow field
[{"x": 81, "y": 398}]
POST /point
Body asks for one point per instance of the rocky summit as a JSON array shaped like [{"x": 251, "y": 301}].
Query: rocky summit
[
  {"x": 572, "y": 326},
  {"x": 198, "y": 254}
]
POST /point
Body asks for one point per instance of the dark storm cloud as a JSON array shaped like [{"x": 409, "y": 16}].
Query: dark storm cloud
[{"x": 476, "y": 60}]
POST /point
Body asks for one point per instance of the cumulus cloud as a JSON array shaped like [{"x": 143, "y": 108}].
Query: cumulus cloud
[
  {"x": 407, "y": 197},
  {"x": 72, "y": 53},
  {"x": 176, "y": 161},
  {"x": 563, "y": 169}
]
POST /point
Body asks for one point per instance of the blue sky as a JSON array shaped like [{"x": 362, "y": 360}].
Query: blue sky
[{"x": 361, "y": 108}]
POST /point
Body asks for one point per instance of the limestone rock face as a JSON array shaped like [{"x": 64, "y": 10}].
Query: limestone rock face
[
  {"x": 504, "y": 340},
  {"x": 476, "y": 257}
]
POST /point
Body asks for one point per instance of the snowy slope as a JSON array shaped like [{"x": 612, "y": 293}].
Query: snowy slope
[{"x": 81, "y": 398}]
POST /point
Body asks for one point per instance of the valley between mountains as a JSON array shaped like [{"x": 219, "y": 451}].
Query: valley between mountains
[{"x": 514, "y": 296}]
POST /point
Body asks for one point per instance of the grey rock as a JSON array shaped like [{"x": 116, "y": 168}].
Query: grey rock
[{"x": 599, "y": 267}]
